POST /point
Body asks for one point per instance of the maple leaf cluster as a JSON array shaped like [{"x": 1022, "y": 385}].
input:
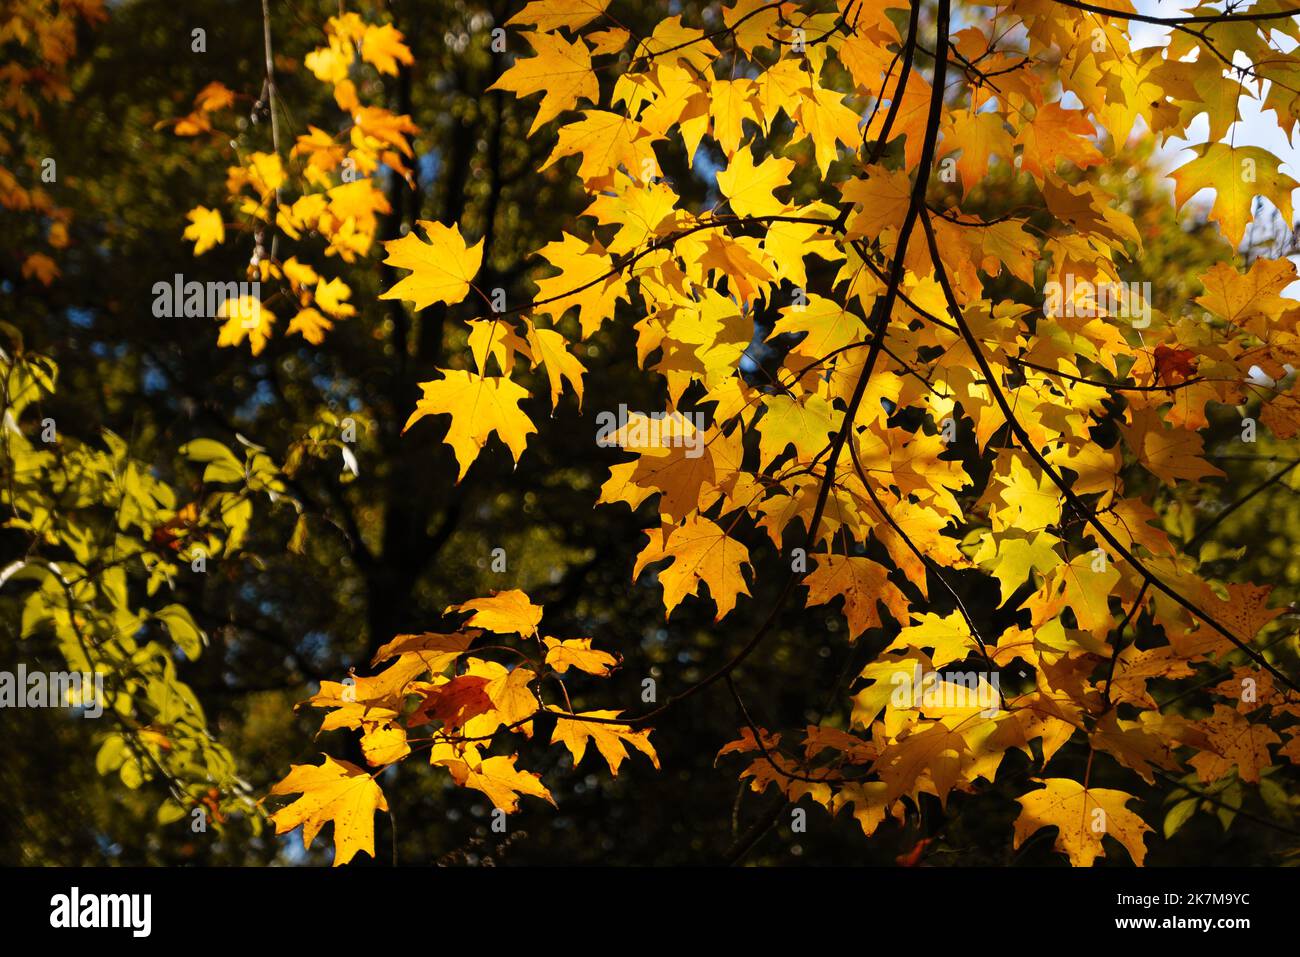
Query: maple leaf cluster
[
  {"x": 38, "y": 39},
  {"x": 938, "y": 413},
  {"x": 457, "y": 699},
  {"x": 325, "y": 189}
]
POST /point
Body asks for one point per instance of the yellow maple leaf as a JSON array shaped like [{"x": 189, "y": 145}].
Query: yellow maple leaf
[
  {"x": 332, "y": 295},
  {"x": 949, "y": 638},
  {"x": 578, "y": 653},
  {"x": 435, "y": 650},
  {"x": 478, "y": 406},
  {"x": 830, "y": 326},
  {"x": 1082, "y": 816},
  {"x": 1234, "y": 741},
  {"x": 827, "y": 121},
  {"x": 441, "y": 269},
  {"x": 505, "y": 612},
  {"x": 749, "y": 187},
  {"x": 1010, "y": 560},
  {"x": 561, "y": 72},
  {"x": 702, "y": 554},
  {"x": 332, "y": 791},
  {"x": 805, "y": 424},
  {"x": 729, "y": 105},
  {"x": 1172, "y": 454},
  {"x": 40, "y": 266},
  {"x": 752, "y": 23},
  {"x": 587, "y": 280},
  {"x": 607, "y": 142},
  {"x": 980, "y": 136},
  {"x": 550, "y": 15},
  {"x": 1132, "y": 746},
  {"x": 673, "y": 41},
  {"x": 1053, "y": 135},
  {"x": 551, "y": 350},
  {"x": 862, "y": 583},
  {"x": 382, "y": 46},
  {"x": 330, "y": 63},
  {"x": 1250, "y": 299},
  {"x": 1237, "y": 174},
  {"x": 243, "y": 317},
  {"x": 383, "y": 744},
  {"x": 880, "y": 201},
  {"x": 510, "y": 691},
  {"x": 213, "y": 97},
  {"x": 927, "y": 759},
  {"x": 206, "y": 229},
  {"x": 497, "y": 777},
  {"x": 611, "y": 740},
  {"x": 311, "y": 325}
]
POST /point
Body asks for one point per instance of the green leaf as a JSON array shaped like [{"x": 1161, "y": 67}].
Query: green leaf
[
  {"x": 1231, "y": 797},
  {"x": 1178, "y": 815},
  {"x": 169, "y": 811},
  {"x": 112, "y": 753},
  {"x": 183, "y": 630},
  {"x": 221, "y": 462}
]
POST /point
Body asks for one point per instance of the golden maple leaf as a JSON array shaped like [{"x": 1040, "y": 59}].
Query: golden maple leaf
[
  {"x": 1082, "y": 817},
  {"x": 441, "y": 269},
  {"x": 332, "y": 791}
]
